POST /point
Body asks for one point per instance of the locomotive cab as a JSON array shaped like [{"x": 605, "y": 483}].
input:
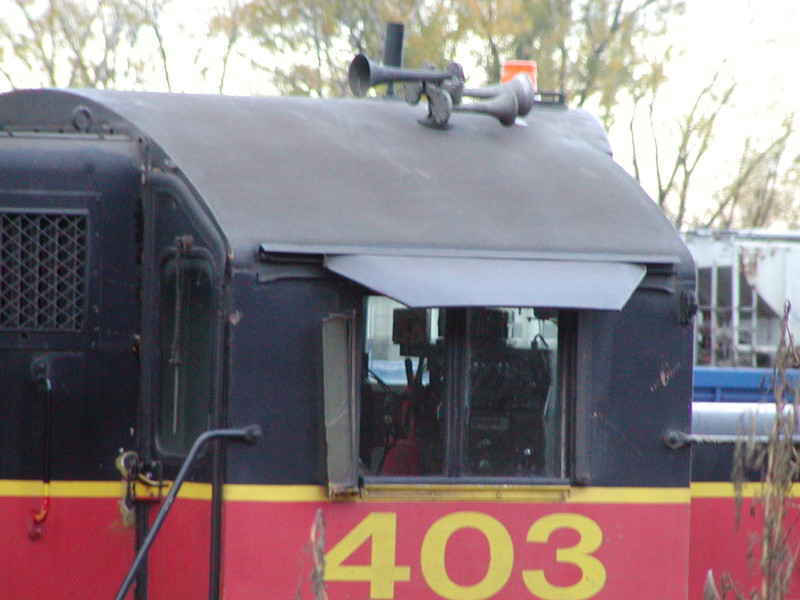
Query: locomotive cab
[{"x": 463, "y": 346}]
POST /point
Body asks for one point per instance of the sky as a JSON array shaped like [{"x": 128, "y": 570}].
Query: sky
[
  {"x": 759, "y": 39},
  {"x": 754, "y": 43}
]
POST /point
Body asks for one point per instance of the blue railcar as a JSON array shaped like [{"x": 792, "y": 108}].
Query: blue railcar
[{"x": 737, "y": 384}]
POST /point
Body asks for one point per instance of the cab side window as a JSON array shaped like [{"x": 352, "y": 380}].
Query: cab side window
[{"x": 464, "y": 392}]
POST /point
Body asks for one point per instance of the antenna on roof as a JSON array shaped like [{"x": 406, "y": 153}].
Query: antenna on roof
[{"x": 393, "y": 50}]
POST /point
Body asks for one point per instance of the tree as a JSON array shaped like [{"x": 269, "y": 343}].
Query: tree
[
  {"x": 588, "y": 48},
  {"x": 151, "y": 13},
  {"x": 673, "y": 171},
  {"x": 73, "y": 43},
  {"x": 760, "y": 193},
  {"x": 764, "y": 188},
  {"x": 497, "y": 24},
  {"x": 591, "y": 49},
  {"x": 610, "y": 52},
  {"x": 310, "y": 42},
  {"x": 230, "y": 24}
]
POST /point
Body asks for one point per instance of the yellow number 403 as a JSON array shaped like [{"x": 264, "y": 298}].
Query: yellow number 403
[{"x": 382, "y": 572}]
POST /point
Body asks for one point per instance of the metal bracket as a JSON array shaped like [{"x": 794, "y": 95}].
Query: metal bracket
[
  {"x": 144, "y": 480},
  {"x": 247, "y": 434},
  {"x": 687, "y": 307}
]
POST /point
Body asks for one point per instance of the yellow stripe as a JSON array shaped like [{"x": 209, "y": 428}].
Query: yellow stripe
[
  {"x": 393, "y": 493},
  {"x": 91, "y": 489},
  {"x": 63, "y": 489},
  {"x": 633, "y": 495},
  {"x": 725, "y": 489},
  {"x": 20, "y": 488},
  {"x": 275, "y": 493},
  {"x": 460, "y": 493},
  {"x": 194, "y": 491}
]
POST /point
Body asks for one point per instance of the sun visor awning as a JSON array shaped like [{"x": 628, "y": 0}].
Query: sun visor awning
[{"x": 424, "y": 281}]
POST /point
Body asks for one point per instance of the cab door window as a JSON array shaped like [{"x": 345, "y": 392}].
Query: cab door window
[{"x": 187, "y": 341}]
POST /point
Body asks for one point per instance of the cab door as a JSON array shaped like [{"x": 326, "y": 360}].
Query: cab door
[{"x": 182, "y": 381}]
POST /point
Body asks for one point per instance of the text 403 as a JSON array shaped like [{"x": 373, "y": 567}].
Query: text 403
[{"x": 382, "y": 572}]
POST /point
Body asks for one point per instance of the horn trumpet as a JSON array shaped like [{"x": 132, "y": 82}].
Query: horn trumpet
[
  {"x": 520, "y": 86},
  {"x": 503, "y": 106},
  {"x": 363, "y": 74}
]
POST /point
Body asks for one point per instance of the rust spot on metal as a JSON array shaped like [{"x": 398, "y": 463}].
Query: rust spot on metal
[{"x": 666, "y": 373}]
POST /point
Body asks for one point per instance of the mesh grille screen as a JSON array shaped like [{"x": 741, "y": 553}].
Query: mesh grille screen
[{"x": 43, "y": 271}]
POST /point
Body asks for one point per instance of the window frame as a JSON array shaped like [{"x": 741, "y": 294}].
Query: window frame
[
  {"x": 456, "y": 430},
  {"x": 340, "y": 381},
  {"x": 203, "y": 258}
]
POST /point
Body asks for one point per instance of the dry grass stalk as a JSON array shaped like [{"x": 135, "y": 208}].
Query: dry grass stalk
[{"x": 777, "y": 463}]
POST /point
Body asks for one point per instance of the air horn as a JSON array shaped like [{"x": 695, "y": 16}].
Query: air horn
[
  {"x": 445, "y": 91},
  {"x": 504, "y": 106},
  {"x": 520, "y": 86},
  {"x": 363, "y": 74}
]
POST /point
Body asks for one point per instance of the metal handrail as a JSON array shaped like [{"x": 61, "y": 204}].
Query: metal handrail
[
  {"x": 247, "y": 434},
  {"x": 674, "y": 439}
]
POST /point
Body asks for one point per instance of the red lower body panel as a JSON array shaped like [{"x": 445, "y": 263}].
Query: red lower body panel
[
  {"x": 458, "y": 550},
  {"x": 733, "y": 551},
  {"x": 390, "y": 549},
  {"x": 85, "y": 550}
]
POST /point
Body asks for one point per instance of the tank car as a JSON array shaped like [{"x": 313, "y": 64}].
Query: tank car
[{"x": 461, "y": 344}]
